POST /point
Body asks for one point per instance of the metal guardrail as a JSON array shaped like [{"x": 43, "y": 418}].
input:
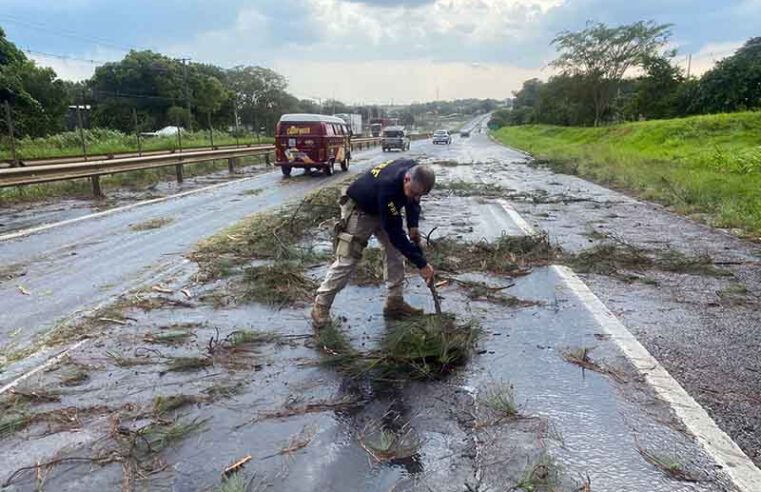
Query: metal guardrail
[
  {"x": 94, "y": 169},
  {"x": 43, "y": 161}
]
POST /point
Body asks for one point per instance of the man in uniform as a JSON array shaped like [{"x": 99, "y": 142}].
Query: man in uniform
[{"x": 372, "y": 205}]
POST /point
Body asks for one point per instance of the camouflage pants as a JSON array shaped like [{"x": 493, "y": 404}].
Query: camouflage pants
[{"x": 359, "y": 228}]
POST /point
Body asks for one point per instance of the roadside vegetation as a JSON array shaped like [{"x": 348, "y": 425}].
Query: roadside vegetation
[
  {"x": 707, "y": 165},
  {"x": 102, "y": 141}
]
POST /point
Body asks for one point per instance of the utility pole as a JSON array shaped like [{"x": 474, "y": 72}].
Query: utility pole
[
  {"x": 137, "y": 133},
  {"x": 187, "y": 91},
  {"x": 689, "y": 64},
  {"x": 81, "y": 127},
  {"x": 9, "y": 120}
]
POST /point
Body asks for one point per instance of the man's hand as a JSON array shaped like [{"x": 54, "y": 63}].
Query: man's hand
[
  {"x": 427, "y": 273},
  {"x": 415, "y": 235}
]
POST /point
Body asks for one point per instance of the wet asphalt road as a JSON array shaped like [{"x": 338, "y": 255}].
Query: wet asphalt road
[
  {"x": 595, "y": 417},
  {"x": 77, "y": 267}
]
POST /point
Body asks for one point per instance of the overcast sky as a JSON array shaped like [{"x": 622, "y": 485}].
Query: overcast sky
[{"x": 372, "y": 51}]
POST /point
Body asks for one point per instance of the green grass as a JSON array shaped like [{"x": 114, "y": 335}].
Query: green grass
[
  {"x": 101, "y": 141},
  {"x": 707, "y": 165}
]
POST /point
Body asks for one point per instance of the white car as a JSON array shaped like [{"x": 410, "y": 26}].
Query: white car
[{"x": 442, "y": 136}]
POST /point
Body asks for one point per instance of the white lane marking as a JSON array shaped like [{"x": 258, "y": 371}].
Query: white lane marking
[
  {"x": 44, "y": 227},
  {"x": 719, "y": 446},
  {"x": 516, "y": 217},
  {"x": 724, "y": 451},
  {"x": 42, "y": 366}
]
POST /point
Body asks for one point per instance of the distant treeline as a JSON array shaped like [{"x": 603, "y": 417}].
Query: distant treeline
[
  {"x": 595, "y": 85},
  {"x": 146, "y": 91}
]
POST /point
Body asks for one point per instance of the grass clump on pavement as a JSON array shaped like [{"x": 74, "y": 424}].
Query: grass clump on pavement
[
  {"x": 152, "y": 224},
  {"x": 511, "y": 255},
  {"x": 384, "y": 443},
  {"x": 418, "y": 348},
  {"x": 267, "y": 236},
  {"x": 613, "y": 258},
  {"x": 541, "y": 476},
  {"x": 499, "y": 399},
  {"x": 281, "y": 283},
  {"x": 471, "y": 188},
  {"x": 668, "y": 465},
  {"x": 708, "y": 164}
]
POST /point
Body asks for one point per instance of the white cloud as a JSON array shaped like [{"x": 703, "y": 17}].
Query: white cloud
[
  {"x": 402, "y": 81},
  {"x": 708, "y": 55}
]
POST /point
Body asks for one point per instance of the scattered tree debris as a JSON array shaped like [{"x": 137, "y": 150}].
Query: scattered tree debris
[
  {"x": 169, "y": 337},
  {"x": 542, "y": 475},
  {"x": 237, "y": 466},
  {"x": 12, "y": 422},
  {"x": 152, "y": 224},
  {"x": 614, "y": 258},
  {"x": 282, "y": 283},
  {"x": 421, "y": 347},
  {"x": 165, "y": 404},
  {"x": 499, "y": 399},
  {"x": 667, "y": 465},
  {"x": 510, "y": 255},
  {"x": 384, "y": 443},
  {"x": 188, "y": 363}
]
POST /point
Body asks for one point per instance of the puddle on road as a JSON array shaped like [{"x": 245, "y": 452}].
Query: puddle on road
[{"x": 308, "y": 427}]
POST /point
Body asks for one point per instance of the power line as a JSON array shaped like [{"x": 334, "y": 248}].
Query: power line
[
  {"x": 61, "y": 32},
  {"x": 70, "y": 34},
  {"x": 67, "y": 57}
]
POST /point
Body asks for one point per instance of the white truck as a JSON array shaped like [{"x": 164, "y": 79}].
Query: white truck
[{"x": 354, "y": 121}]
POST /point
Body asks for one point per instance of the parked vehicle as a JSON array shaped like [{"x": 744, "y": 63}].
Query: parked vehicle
[
  {"x": 395, "y": 137},
  {"x": 312, "y": 141},
  {"x": 442, "y": 137},
  {"x": 354, "y": 121}
]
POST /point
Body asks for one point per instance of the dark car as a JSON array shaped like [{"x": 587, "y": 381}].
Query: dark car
[
  {"x": 395, "y": 137},
  {"x": 464, "y": 133}
]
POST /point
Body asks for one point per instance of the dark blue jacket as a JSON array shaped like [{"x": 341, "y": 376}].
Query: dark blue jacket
[{"x": 380, "y": 192}]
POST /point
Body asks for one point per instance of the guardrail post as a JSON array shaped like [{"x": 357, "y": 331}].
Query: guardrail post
[
  {"x": 178, "y": 170},
  {"x": 267, "y": 158},
  {"x": 231, "y": 164},
  {"x": 96, "y": 191}
]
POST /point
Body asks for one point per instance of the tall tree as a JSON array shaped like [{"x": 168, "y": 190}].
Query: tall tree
[
  {"x": 603, "y": 54},
  {"x": 735, "y": 82},
  {"x": 36, "y": 95}
]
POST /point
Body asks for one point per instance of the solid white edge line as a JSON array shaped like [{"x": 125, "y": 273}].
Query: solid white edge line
[
  {"x": 516, "y": 217},
  {"x": 44, "y": 227},
  {"x": 42, "y": 366},
  {"x": 724, "y": 451},
  {"x": 718, "y": 445}
]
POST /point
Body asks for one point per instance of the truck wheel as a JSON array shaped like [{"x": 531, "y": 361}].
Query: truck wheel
[
  {"x": 286, "y": 171},
  {"x": 345, "y": 164},
  {"x": 329, "y": 168}
]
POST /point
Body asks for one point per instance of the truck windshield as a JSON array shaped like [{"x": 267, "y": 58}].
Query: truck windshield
[{"x": 393, "y": 134}]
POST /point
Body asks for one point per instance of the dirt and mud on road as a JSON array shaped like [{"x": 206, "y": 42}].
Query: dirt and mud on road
[{"x": 212, "y": 378}]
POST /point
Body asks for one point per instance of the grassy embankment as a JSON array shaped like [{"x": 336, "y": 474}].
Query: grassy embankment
[
  {"x": 109, "y": 141},
  {"x": 705, "y": 166}
]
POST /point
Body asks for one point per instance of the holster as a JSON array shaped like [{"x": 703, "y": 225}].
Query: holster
[{"x": 345, "y": 244}]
